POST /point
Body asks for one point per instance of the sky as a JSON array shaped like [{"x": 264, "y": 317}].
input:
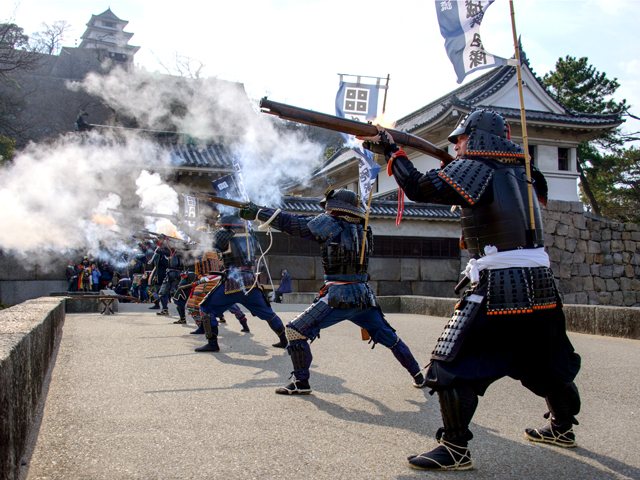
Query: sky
[{"x": 293, "y": 50}]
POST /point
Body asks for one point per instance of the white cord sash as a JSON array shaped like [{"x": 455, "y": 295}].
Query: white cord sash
[{"x": 493, "y": 260}]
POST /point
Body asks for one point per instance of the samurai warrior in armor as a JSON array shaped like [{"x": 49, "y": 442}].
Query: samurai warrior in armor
[
  {"x": 346, "y": 295},
  {"x": 160, "y": 262},
  {"x": 239, "y": 285},
  {"x": 509, "y": 322},
  {"x": 171, "y": 279},
  {"x": 181, "y": 294}
]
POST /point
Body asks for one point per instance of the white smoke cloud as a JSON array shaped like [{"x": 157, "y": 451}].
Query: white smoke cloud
[
  {"x": 59, "y": 197},
  {"x": 213, "y": 111},
  {"x": 74, "y": 193}
]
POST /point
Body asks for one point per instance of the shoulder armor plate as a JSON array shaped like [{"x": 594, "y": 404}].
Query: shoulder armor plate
[
  {"x": 324, "y": 226},
  {"x": 469, "y": 178}
]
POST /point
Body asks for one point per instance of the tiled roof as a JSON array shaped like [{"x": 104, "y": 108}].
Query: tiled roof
[
  {"x": 379, "y": 209},
  {"x": 210, "y": 156},
  {"x": 468, "y": 96}
]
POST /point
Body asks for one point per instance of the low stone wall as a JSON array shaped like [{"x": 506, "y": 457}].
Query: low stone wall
[
  {"x": 29, "y": 334},
  {"x": 592, "y": 319}
]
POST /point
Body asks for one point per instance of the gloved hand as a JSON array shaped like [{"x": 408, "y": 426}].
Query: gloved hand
[
  {"x": 382, "y": 143},
  {"x": 249, "y": 211}
]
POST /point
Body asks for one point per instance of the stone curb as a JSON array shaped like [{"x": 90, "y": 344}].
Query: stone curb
[{"x": 29, "y": 334}]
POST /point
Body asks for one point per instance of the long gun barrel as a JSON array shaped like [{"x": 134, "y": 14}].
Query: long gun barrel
[
  {"x": 352, "y": 127},
  {"x": 224, "y": 201}
]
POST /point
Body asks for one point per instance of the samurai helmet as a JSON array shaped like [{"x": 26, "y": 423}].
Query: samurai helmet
[
  {"x": 342, "y": 201},
  {"x": 489, "y": 135}
]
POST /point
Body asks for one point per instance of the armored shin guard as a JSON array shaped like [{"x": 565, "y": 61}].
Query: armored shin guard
[
  {"x": 564, "y": 405},
  {"x": 300, "y": 358},
  {"x": 210, "y": 331},
  {"x": 457, "y": 405},
  {"x": 402, "y": 353},
  {"x": 212, "y": 339}
]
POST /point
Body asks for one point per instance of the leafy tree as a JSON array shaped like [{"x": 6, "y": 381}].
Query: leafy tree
[
  {"x": 15, "y": 51},
  {"x": 49, "y": 39},
  {"x": 615, "y": 183},
  {"x": 603, "y": 164},
  {"x": 7, "y": 149}
]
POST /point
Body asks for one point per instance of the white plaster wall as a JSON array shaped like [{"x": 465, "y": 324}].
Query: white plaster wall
[{"x": 416, "y": 228}]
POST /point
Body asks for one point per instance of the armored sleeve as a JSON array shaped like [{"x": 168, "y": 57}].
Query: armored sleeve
[
  {"x": 221, "y": 239},
  {"x": 324, "y": 227},
  {"x": 296, "y": 225},
  {"x": 427, "y": 187}
]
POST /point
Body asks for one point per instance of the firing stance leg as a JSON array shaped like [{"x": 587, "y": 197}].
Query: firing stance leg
[
  {"x": 217, "y": 302},
  {"x": 318, "y": 316}
]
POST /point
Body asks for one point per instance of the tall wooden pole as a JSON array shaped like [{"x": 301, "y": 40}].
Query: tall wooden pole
[
  {"x": 366, "y": 214},
  {"x": 523, "y": 121}
]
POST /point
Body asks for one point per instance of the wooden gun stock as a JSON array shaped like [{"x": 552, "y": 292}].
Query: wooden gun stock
[{"x": 351, "y": 127}]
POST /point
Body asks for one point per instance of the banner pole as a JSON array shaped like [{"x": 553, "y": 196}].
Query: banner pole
[{"x": 523, "y": 121}]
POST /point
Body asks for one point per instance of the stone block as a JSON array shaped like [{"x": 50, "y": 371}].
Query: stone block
[
  {"x": 617, "y": 245},
  {"x": 593, "y": 247},
  {"x": 394, "y": 288},
  {"x": 550, "y": 226},
  {"x": 389, "y": 304},
  {"x": 570, "y": 244},
  {"x": 562, "y": 229},
  {"x": 580, "y": 318},
  {"x": 604, "y": 298},
  {"x": 579, "y": 222},
  {"x": 606, "y": 271},
  {"x": 587, "y": 283},
  {"x": 564, "y": 271},
  {"x": 439, "y": 270},
  {"x": 582, "y": 298},
  {"x": 612, "y": 285},
  {"x": 433, "y": 289},
  {"x": 409, "y": 268},
  {"x": 385, "y": 269},
  {"x": 618, "y": 322}
]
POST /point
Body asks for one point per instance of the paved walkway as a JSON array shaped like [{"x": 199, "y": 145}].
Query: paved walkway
[{"x": 129, "y": 399}]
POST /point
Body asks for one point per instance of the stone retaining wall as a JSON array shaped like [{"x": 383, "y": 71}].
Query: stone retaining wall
[
  {"x": 29, "y": 334},
  {"x": 596, "y": 261}
]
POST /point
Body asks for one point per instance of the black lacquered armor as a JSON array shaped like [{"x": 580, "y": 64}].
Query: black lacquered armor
[{"x": 501, "y": 215}]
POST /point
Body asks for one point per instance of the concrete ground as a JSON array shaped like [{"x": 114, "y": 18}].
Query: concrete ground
[{"x": 130, "y": 399}]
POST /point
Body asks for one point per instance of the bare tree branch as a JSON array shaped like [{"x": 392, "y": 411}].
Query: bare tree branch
[{"x": 49, "y": 39}]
